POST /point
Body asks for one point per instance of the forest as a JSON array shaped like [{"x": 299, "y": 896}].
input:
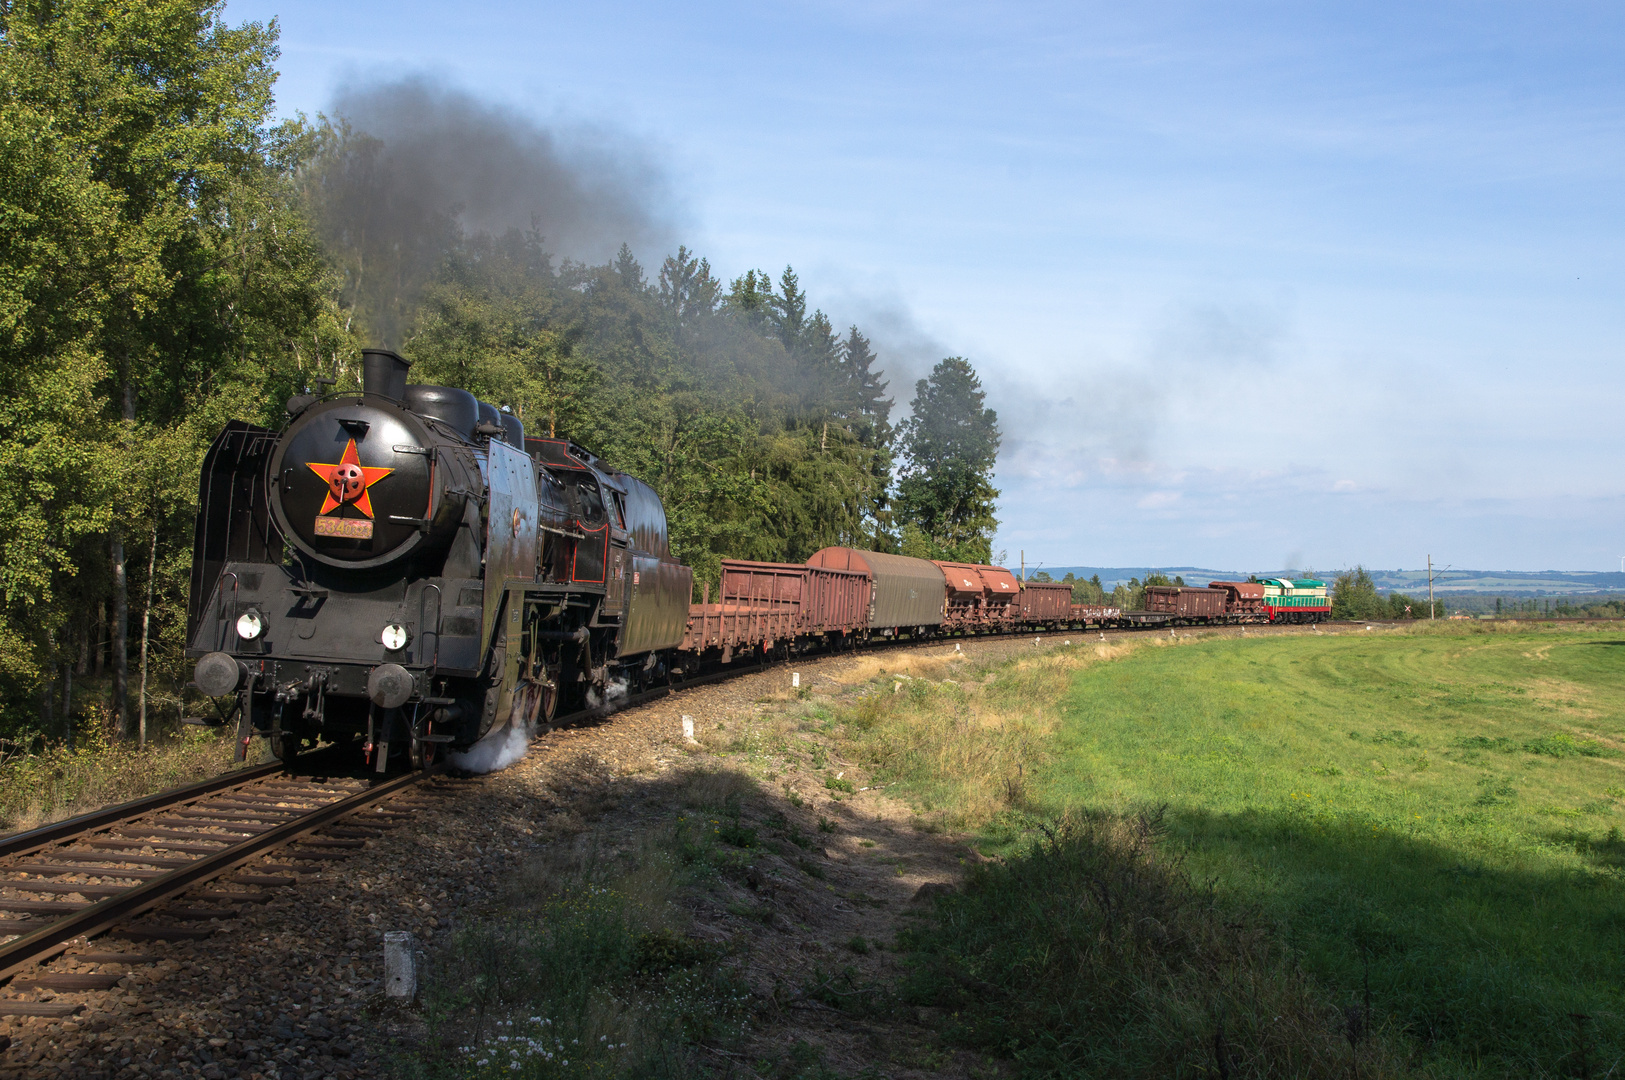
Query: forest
[{"x": 173, "y": 257}]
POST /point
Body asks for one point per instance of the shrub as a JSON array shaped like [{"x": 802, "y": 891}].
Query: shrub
[{"x": 58, "y": 780}]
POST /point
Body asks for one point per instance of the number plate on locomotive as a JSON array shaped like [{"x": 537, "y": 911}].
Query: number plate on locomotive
[{"x": 349, "y": 528}]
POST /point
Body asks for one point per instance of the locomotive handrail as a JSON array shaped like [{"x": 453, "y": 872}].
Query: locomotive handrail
[
  {"x": 420, "y": 524},
  {"x": 225, "y": 617},
  {"x": 235, "y": 583},
  {"x": 439, "y": 613}
]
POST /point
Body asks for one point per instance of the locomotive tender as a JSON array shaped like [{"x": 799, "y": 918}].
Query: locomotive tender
[{"x": 403, "y": 568}]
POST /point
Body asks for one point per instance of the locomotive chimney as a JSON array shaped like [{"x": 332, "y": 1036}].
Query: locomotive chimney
[{"x": 384, "y": 373}]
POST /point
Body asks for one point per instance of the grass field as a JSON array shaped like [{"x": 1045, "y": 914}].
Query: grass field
[{"x": 1436, "y": 810}]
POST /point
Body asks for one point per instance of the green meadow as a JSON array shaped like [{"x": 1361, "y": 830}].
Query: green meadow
[{"x": 1434, "y": 813}]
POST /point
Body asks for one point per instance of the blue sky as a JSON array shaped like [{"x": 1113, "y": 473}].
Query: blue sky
[{"x": 1251, "y": 285}]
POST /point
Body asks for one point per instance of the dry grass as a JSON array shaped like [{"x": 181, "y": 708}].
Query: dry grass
[
  {"x": 710, "y": 789},
  {"x": 963, "y": 738},
  {"x": 60, "y": 780}
]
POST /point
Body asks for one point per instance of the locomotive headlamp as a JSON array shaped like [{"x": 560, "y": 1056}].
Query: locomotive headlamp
[
  {"x": 250, "y": 625},
  {"x": 395, "y": 637}
]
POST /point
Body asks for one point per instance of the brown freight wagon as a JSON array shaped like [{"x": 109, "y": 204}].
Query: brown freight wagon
[
  {"x": 1242, "y": 597},
  {"x": 757, "y": 604},
  {"x": 760, "y": 605},
  {"x": 1045, "y": 601},
  {"x": 979, "y": 596},
  {"x": 835, "y": 601},
  {"x": 1186, "y": 603},
  {"x": 906, "y": 593}
]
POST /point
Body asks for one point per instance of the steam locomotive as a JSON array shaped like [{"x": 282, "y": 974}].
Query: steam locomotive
[{"x": 404, "y": 567}]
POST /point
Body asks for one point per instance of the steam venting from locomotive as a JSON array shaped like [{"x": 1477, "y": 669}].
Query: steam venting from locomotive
[{"x": 496, "y": 751}]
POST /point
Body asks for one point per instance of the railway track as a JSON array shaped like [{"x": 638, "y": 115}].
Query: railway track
[{"x": 172, "y": 867}]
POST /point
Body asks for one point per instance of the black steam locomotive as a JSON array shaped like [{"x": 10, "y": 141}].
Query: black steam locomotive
[{"x": 402, "y": 567}]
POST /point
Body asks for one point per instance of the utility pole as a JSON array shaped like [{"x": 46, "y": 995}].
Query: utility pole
[
  {"x": 1431, "y": 613},
  {"x": 1024, "y": 565}
]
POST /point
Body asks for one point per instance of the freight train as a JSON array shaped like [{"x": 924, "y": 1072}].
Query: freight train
[{"x": 404, "y": 570}]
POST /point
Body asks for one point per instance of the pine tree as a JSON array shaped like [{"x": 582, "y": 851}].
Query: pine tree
[
  {"x": 866, "y": 390},
  {"x": 950, "y": 445},
  {"x": 688, "y": 287},
  {"x": 750, "y": 297},
  {"x": 789, "y": 310},
  {"x": 628, "y": 269}
]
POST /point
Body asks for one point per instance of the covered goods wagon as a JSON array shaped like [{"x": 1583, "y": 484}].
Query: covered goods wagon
[
  {"x": 1184, "y": 602},
  {"x": 1045, "y": 600},
  {"x": 904, "y": 592}
]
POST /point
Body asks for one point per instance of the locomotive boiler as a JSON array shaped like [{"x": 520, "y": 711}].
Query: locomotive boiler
[{"x": 403, "y": 568}]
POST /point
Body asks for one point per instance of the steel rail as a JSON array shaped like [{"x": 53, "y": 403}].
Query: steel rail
[
  {"x": 104, "y": 914},
  {"x": 25, "y": 843}
]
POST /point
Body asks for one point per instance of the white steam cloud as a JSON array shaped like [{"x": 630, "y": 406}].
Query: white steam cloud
[{"x": 501, "y": 747}]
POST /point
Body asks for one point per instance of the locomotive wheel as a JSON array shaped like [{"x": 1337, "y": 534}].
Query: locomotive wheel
[{"x": 548, "y": 708}]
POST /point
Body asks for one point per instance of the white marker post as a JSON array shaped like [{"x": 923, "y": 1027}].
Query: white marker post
[{"x": 400, "y": 965}]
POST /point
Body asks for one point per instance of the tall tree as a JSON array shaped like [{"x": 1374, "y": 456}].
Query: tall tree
[
  {"x": 164, "y": 275},
  {"x": 789, "y": 308},
  {"x": 1354, "y": 596},
  {"x": 750, "y": 297},
  {"x": 488, "y": 324},
  {"x": 688, "y": 287},
  {"x": 867, "y": 412},
  {"x": 866, "y": 389},
  {"x": 949, "y": 446}
]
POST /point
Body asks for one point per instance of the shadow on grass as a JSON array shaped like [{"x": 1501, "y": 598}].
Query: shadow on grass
[{"x": 1486, "y": 963}]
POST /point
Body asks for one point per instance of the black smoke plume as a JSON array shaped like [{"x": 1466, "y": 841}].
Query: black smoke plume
[{"x": 411, "y": 167}]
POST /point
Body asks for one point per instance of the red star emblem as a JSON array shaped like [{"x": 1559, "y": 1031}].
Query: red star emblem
[{"x": 348, "y": 481}]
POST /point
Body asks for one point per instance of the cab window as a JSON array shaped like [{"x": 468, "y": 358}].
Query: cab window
[
  {"x": 551, "y": 492},
  {"x": 589, "y": 503}
]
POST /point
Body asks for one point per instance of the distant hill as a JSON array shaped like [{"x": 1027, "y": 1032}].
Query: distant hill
[
  {"x": 1525, "y": 583},
  {"x": 1112, "y": 576}
]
